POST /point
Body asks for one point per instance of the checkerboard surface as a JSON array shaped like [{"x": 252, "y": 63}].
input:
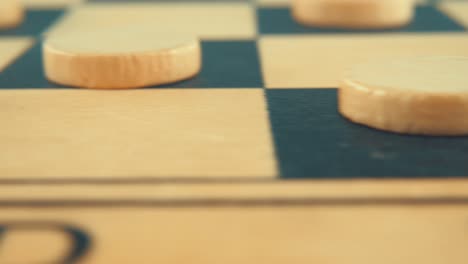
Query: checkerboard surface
[
  {"x": 248, "y": 162},
  {"x": 264, "y": 105}
]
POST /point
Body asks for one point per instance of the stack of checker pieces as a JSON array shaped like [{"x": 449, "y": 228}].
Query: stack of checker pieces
[{"x": 249, "y": 162}]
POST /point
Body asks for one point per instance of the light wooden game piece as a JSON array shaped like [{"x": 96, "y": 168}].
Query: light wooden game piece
[
  {"x": 120, "y": 58},
  {"x": 11, "y": 13},
  {"x": 421, "y": 95},
  {"x": 353, "y": 13}
]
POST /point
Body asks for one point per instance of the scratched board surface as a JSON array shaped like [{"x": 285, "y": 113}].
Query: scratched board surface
[{"x": 248, "y": 162}]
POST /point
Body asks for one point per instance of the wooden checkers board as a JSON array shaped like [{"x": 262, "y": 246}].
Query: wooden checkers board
[{"x": 249, "y": 162}]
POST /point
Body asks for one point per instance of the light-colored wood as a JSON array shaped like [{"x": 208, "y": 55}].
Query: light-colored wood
[
  {"x": 273, "y": 3},
  {"x": 457, "y": 11},
  {"x": 287, "y": 3},
  {"x": 255, "y": 192},
  {"x": 217, "y": 21},
  {"x": 416, "y": 95},
  {"x": 151, "y": 133},
  {"x": 353, "y": 13},
  {"x": 276, "y": 235},
  {"x": 11, "y": 251},
  {"x": 11, "y": 48},
  {"x": 120, "y": 58},
  {"x": 319, "y": 61},
  {"x": 11, "y": 13},
  {"x": 50, "y": 3}
]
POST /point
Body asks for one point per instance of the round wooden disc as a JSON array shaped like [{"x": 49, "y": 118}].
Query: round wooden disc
[
  {"x": 424, "y": 95},
  {"x": 353, "y": 13},
  {"x": 119, "y": 59},
  {"x": 11, "y": 13}
]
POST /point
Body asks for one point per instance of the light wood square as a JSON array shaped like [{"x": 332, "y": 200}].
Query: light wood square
[
  {"x": 50, "y": 3},
  {"x": 319, "y": 61},
  {"x": 206, "y": 20},
  {"x": 87, "y": 134},
  {"x": 289, "y": 2},
  {"x": 274, "y": 3},
  {"x": 12, "y": 48}
]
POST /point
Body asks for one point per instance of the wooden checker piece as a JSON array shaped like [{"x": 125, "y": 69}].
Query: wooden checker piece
[
  {"x": 353, "y": 13},
  {"x": 11, "y": 13},
  {"x": 120, "y": 58},
  {"x": 420, "y": 95}
]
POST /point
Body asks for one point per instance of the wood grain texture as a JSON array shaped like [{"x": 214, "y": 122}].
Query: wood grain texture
[
  {"x": 276, "y": 3},
  {"x": 303, "y": 234},
  {"x": 217, "y": 21},
  {"x": 399, "y": 96},
  {"x": 273, "y": 3},
  {"x": 257, "y": 192},
  {"x": 353, "y": 13},
  {"x": 39, "y": 4},
  {"x": 298, "y": 61},
  {"x": 186, "y": 133},
  {"x": 120, "y": 59}
]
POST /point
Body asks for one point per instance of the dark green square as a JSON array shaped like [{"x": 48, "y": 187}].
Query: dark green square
[{"x": 313, "y": 141}]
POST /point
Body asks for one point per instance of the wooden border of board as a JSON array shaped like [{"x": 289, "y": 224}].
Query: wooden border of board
[{"x": 238, "y": 193}]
